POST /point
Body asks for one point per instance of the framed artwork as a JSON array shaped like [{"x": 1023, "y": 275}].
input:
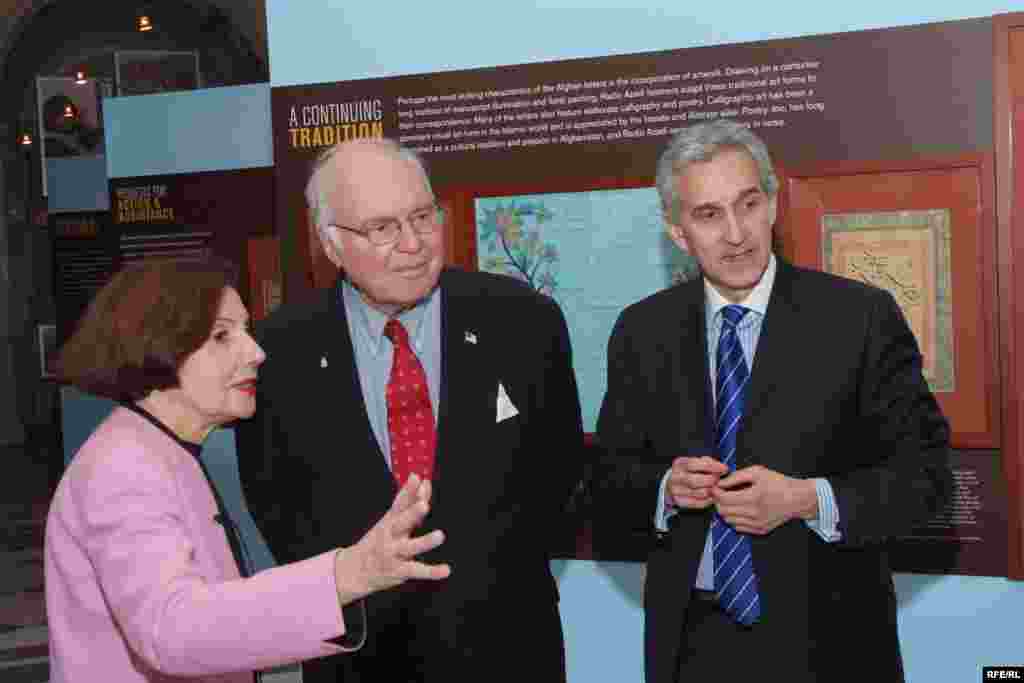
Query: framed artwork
[
  {"x": 70, "y": 121},
  {"x": 143, "y": 72},
  {"x": 907, "y": 254},
  {"x": 924, "y": 230}
]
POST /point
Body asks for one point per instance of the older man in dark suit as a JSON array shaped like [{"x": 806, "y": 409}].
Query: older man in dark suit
[
  {"x": 406, "y": 366},
  {"x": 771, "y": 426}
]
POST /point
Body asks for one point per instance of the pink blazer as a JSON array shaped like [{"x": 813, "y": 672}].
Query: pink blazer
[{"x": 140, "y": 581}]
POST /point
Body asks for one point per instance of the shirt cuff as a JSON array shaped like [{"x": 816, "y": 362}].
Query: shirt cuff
[
  {"x": 827, "y": 523},
  {"x": 354, "y": 616},
  {"x": 665, "y": 509}
]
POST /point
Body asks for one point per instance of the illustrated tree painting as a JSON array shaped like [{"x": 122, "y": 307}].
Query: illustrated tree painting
[{"x": 511, "y": 234}]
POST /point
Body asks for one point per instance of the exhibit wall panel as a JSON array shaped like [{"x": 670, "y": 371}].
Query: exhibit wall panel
[{"x": 213, "y": 129}]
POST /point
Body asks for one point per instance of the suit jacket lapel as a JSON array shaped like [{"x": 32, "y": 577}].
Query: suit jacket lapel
[
  {"x": 462, "y": 376},
  {"x": 692, "y": 376},
  {"x": 775, "y": 359},
  {"x": 342, "y": 373}
]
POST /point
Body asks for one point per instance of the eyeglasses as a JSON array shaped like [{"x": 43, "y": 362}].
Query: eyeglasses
[{"x": 383, "y": 231}]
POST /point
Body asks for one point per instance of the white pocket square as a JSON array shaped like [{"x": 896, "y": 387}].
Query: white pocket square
[{"x": 505, "y": 407}]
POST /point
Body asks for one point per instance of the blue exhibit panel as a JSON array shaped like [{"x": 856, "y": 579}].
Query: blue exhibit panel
[
  {"x": 214, "y": 129},
  {"x": 77, "y": 184}
]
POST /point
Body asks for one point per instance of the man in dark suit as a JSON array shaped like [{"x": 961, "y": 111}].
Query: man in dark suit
[
  {"x": 404, "y": 365},
  {"x": 770, "y": 427}
]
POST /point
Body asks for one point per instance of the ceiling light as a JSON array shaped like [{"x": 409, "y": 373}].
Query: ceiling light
[{"x": 145, "y": 24}]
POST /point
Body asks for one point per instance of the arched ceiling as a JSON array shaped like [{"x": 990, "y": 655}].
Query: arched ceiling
[
  {"x": 48, "y": 37},
  {"x": 249, "y": 16}
]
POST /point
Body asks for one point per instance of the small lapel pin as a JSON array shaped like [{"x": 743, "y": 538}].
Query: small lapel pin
[
  {"x": 323, "y": 361},
  {"x": 470, "y": 337}
]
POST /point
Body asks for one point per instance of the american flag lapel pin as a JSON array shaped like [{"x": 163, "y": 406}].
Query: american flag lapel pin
[{"x": 470, "y": 337}]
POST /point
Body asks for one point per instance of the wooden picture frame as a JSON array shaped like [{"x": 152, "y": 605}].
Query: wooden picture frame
[
  {"x": 960, "y": 187},
  {"x": 263, "y": 256},
  {"x": 1008, "y": 115}
]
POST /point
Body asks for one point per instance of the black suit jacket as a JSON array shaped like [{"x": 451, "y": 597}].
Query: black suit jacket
[
  {"x": 836, "y": 392},
  {"x": 315, "y": 477}
]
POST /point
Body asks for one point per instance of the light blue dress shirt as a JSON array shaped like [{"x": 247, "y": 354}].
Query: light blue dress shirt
[
  {"x": 374, "y": 352},
  {"x": 749, "y": 331}
]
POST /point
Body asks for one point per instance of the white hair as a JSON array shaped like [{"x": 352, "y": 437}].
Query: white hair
[{"x": 321, "y": 215}]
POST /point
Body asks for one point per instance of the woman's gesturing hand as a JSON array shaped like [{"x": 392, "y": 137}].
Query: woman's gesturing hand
[{"x": 385, "y": 556}]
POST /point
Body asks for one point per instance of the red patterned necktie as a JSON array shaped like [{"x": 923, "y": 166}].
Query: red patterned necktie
[{"x": 410, "y": 415}]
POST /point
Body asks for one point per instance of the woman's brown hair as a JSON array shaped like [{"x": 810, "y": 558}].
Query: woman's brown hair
[{"x": 142, "y": 325}]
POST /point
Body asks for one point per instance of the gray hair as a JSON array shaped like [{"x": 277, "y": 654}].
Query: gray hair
[
  {"x": 320, "y": 212},
  {"x": 700, "y": 143}
]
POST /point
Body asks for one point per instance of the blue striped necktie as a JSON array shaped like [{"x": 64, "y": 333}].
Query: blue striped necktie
[{"x": 735, "y": 581}]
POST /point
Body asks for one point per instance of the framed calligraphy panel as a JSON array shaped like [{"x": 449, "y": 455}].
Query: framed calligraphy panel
[
  {"x": 907, "y": 254},
  {"x": 924, "y": 230}
]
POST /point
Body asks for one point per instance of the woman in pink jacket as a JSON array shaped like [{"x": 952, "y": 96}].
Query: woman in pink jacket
[{"x": 144, "y": 569}]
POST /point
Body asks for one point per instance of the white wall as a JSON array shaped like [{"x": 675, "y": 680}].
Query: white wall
[{"x": 319, "y": 41}]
